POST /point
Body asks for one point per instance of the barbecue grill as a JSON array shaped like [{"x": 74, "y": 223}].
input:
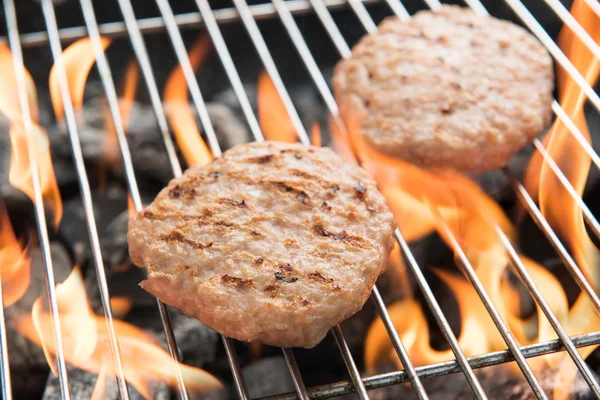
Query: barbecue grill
[{"x": 211, "y": 20}]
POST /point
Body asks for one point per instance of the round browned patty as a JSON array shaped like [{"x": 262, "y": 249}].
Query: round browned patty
[
  {"x": 447, "y": 89},
  {"x": 271, "y": 242}
]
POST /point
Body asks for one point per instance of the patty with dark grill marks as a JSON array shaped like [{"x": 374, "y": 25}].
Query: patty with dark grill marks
[
  {"x": 447, "y": 89},
  {"x": 270, "y": 242}
]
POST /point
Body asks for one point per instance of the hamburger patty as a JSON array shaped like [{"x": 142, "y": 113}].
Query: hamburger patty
[
  {"x": 270, "y": 242},
  {"x": 448, "y": 88}
]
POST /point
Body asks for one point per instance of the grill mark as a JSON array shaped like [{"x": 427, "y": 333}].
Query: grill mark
[
  {"x": 318, "y": 277},
  {"x": 178, "y": 192},
  {"x": 239, "y": 282},
  {"x": 321, "y": 230},
  {"x": 272, "y": 291},
  {"x": 177, "y": 236},
  {"x": 232, "y": 202},
  {"x": 285, "y": 273}
]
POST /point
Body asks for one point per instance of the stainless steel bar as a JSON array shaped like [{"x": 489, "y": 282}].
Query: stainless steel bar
[
  {"x": 570, "y": 21},
  {"x": 440, "y": 318},
  {"x": 86, "y": 194},
  {"x": 295, "y": 372},
  {"x": 40, "y": 214},
  {"x": 442, "y": 369},
  {"x": 183, "y": 21},
  {"x": 545, "y": 227},
  {"x": 547, "y": 310},
  {"x": 587, "y": 214},
  {"x": 574, "y": 130},
  {"x": 594, "y": 5},
  {"x": 236, "y": 371},
  {"x": 267, "y": 60},
  {"x": 560, "y": 57},
  {"x": 141, "y": 53},
  {"x": 230, "y": 69},
  {"x": 113, "y": 104},
  {"x": 398, "y": 9},
  {"x": 359, "y": 385},
  {"x": 345, "y": 51},
  {"x": 363, "y": 16},
  {"x": 398, "y": 346},
  {"x": 4, "y": 360},
  {"x": 194, "y": 88},
  {"x": 188, "y": 72}
]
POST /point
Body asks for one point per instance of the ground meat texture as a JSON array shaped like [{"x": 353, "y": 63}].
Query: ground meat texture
[
  {"x": 245, "y": 244},
  {"x": 447, "y": 89}
]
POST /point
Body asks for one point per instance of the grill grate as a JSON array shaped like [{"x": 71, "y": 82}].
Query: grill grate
[{"x": 173, "y": 24}]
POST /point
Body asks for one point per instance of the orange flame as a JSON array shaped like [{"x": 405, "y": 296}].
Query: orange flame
[
  {"x": 20, "y": 167},
  {"x": 120, "y": 306},
  {"x": 315, "y": 135},
  {"x": 178, "y": 109},
  {"x": 556, "y": 204},
  {"x": 274, "y": 120},
  {"x": 77, "y": 61},
  {"x": 86, "y": 343},
  {"x": 15, "y": 264}
]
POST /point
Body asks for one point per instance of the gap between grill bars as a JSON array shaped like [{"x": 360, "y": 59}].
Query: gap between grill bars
[{"x": 134, "y": 29}]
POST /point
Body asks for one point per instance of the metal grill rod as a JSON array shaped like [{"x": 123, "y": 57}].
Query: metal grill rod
[
  {"x": 444, "y": 368},
  {"x": 269, "y": 64},
  {"x": 4, "y": 366},
  {"x": 560, "y": 57},
  {"x": 561, "y": 11},
  {"x": 232, "y": 74},
  {"x": 432, "y": 303},
  {"x": 594, "y": 5},
  {"x": 265, "y": 56},
  {"x": 86, "y": 194},
  {"x": 183, "y": 21},
  {"x": 113, "y": 103},
  {"x": 587, "y": 214},
  {"x": 539, "y": 298},
  {"x": 568, "y": 122},
  {"x": 40, "y": 214}
]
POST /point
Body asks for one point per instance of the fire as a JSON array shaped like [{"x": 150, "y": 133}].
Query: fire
[
  {"x": 15, "y": 264},
  {"x": 178, "y": 109},
  {"x": 86, "y": 343},
  {"x": 315, "y": 135},
  {"x": 274, "y": 120},
  {"x": 77, "y": 61},
  {"x": 20, "y": 168}
]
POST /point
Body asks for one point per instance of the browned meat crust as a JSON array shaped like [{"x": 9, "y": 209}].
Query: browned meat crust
[
  {"x": 270, "y": 242},
  {"x": 447, "y": 89}
]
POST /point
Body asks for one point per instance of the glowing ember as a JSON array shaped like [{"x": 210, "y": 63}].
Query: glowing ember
[
  {"x": 272, "y": 115},
  {"x": 86, "y": 343},
  {"x": 178, "y": 109},
  {"x": 15, "y": 264}
]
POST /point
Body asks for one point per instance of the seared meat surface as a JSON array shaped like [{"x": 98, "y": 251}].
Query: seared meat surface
[{"x": 270, "y": 242}]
